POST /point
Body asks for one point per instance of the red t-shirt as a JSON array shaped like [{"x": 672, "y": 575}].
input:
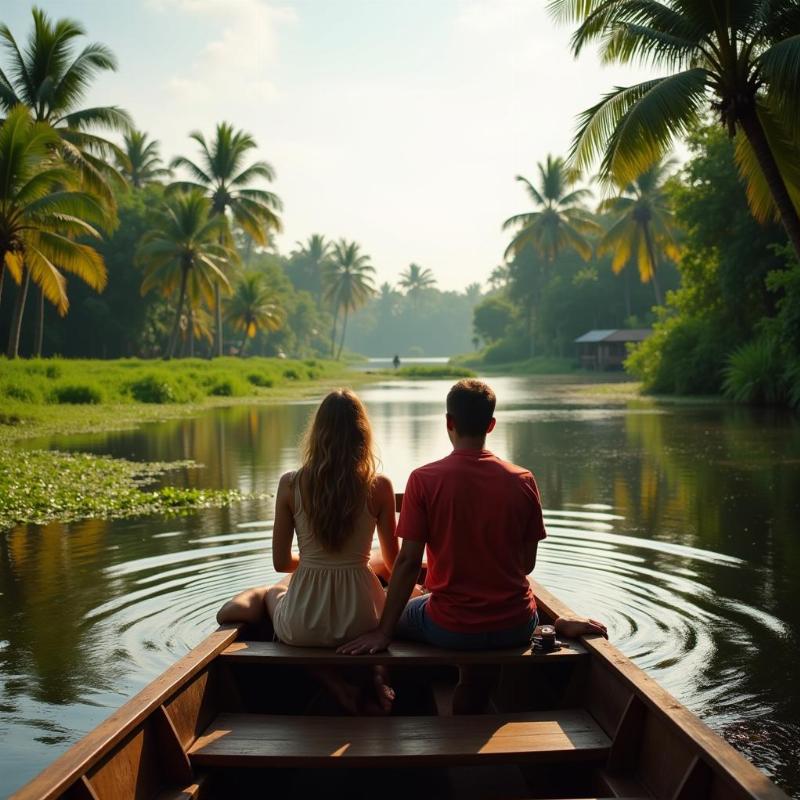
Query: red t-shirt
[{"x": 474, "y": 512}]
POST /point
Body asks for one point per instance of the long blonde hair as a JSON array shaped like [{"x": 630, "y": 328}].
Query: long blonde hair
[{"x": 339, "y": 467}]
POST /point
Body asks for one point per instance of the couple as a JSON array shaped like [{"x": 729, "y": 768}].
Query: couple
[{"x": 479, "y": 517}]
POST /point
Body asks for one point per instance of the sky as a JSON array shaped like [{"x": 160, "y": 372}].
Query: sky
[{"x": 398, "y": 123}]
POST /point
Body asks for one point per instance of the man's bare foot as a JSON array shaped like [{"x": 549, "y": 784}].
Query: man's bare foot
[{"x": 573, "y": 627}]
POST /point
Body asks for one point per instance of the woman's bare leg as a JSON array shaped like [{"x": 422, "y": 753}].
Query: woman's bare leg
[{"x": 250, "y": 605}]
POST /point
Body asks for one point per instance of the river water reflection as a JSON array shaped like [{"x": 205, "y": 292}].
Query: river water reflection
[{"x": 678, "y": 525}]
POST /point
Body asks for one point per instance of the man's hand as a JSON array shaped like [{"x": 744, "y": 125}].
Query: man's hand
[
  {"x": 371, "y": 642},
  {"x": 573, "y": 627}
]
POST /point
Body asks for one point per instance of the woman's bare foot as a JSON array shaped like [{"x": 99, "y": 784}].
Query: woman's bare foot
[
  {"x": 573, "y": 627},
  {"x": 383, "y": 691}
]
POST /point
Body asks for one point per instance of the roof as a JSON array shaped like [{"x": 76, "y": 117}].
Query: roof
[{"x": 618, "y": 335}]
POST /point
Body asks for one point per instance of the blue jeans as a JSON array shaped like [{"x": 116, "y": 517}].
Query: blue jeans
[{"x": 416, "y": 624}]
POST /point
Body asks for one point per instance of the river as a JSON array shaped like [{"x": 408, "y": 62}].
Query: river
[{"x": 675, "y": 524}]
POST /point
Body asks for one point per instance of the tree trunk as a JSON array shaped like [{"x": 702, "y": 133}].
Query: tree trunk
[
  {"x": 344, "y": 330},
  {"x": 173, "y": 339},
  {"x": 2, "y": 276},
  {"x": 37, "y": 342},
  {"x": 218, "y": 322},
  {"x": 243, "y": 344},
  {"x": 333, "y": 333},
  {"x": 16, "y": 317},
  {"x": 751, "y": 125},
  {"x": 651, "y": 254},
  {"x": 627, "y": 284},
  {"x": 191, "y": 331}
]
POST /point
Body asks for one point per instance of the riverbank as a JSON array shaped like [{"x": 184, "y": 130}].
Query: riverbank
[{"x": 48, "y": 397}]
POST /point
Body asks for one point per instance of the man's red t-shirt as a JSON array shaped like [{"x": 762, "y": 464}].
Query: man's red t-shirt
[{"x": 474, "y": 512}]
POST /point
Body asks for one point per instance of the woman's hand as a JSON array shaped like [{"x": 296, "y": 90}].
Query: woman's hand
[
  {"x": 371, "y": 642},
  {"x": 573, "y": 627}
]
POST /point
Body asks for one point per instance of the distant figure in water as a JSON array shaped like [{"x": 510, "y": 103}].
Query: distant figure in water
[{"x": 396, "y": 361}]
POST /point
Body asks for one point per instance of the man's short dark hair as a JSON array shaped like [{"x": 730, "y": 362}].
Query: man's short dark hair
[{"x": 471, "y": 405}]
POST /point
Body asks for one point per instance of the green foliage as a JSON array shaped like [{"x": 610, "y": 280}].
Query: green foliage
[
  {"x": 683, "y": 356},
  {"x": 151, "y": 382},
  {"x": 492, "y": 317},
  {"x": 41, "y": 486},
  {"x": 77, "y": 393},
  {"x": 433, "y": 371},
  {"x": 756, "y": 373}
]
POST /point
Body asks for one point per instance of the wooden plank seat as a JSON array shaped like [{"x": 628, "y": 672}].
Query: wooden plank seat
[
  {"x": 398, "y": 654},
  {"x": 258, "y": 740}
]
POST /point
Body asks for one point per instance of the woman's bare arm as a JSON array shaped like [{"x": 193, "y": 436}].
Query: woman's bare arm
[
  {"x": 283, "y": 527},
  {"x": 383, "y": 499}
]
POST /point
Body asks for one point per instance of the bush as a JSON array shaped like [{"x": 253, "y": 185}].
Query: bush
[
  {"x": 291, "y": 374},
  {"x": 77, "y": 394},
  {"x": 259, "y": 379},
  {"x": 756, "y": 374},
  {"x": 154, "y": 388},
  {"x": 793, "y": 384},
  {"x": 683, "y": 356},
  {"x": 227, "y": 386},
  {"x": 24, "y": 392},
  {"x": 506, "y": 350}
]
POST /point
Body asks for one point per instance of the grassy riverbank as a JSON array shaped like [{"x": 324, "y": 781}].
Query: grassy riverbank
[
  {"x": 42, "y": 398},
  {"x": 540, "y": 365}
]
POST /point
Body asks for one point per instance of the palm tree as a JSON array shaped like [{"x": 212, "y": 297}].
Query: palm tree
[
  {"x": 560, "y": 222},
  {"x": 643, "y": 226},
  {"x": 472, "y": 291},
  {"x": 187, "y": 242},
  {"x": 40, "y": 218},
  {"x": 499, "y": 277},
  {"x": 253, "y": 308},
  {"x": 308, "y": 261},
  {"x": 742, "y": 58},
  {"x": 224, "y": 176},
  {"x": 415, "y": 280},
  {"x": 348, "y": 284},
  {"x": 49, "y": 77},
  {"x": 142, "y": 163}
]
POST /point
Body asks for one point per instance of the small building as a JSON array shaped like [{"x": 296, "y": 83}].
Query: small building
[{"x": 607, "y": 349}]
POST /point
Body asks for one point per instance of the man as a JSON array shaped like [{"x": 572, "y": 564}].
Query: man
[{"x": 481, "y": 520}]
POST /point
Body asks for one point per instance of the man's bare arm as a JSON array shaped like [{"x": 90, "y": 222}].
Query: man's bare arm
[{"x": 404, "y": 576}]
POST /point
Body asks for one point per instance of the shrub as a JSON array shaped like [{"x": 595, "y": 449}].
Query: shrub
[
  {"x": 291, "y": 374},
  {"x": 77, "y": 394},
  {"x": 24, "y": 392},
  {"x": 227, "y": 386},
  {"x": 154, "y": 388},
  {"x": 260, "y": 379},
  {"x": 514, "y": 348},
  {"x": 756, "y": 374},
  {"x": 793, "y": 384},
  {"x": 683, "y": 356}
]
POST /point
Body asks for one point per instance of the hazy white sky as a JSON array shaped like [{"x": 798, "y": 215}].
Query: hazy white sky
[{"x": 398, "y": 123}]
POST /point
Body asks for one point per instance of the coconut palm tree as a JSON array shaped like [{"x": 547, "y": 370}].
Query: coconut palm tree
[
  {"x": 415, "y": 280},
  {"x": 499, "y": 277},
  {"x": 642, "y": 226},
  {"x": 308, "y": 261},
  {"x": 186, "y": 245},
  {"x": 347, "y": 284},
  {"x": 40, "y": 217},
  {"x": 51, "y": 78},
  {"x": 223, "y": 175},
  {"x": 253, "y": 308},
  {"x": 742, "y": 59},
  {"x": 142, "y": 164},
  {"x": 561, "y": 221},
  {"x": 472, "y": 291}
]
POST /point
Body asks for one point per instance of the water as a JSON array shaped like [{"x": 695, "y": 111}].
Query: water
[{"x": 676, "y": 525}]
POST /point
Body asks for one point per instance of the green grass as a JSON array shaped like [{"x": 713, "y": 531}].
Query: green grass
[
  {"x": 431, "y": 371},
  {"x": 84, "y": 382},
  {"x": 540, "y": 365}
]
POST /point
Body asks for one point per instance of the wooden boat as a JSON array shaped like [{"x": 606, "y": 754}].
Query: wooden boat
[{"x": 241, "y": 715}]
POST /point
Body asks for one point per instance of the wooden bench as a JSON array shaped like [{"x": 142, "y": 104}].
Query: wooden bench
[
  {"x": 256, "y": 740},
  {"x": 398, "y": 654}
]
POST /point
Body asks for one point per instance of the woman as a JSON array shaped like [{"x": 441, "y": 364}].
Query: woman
[{"x": 333, "y": 503}]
